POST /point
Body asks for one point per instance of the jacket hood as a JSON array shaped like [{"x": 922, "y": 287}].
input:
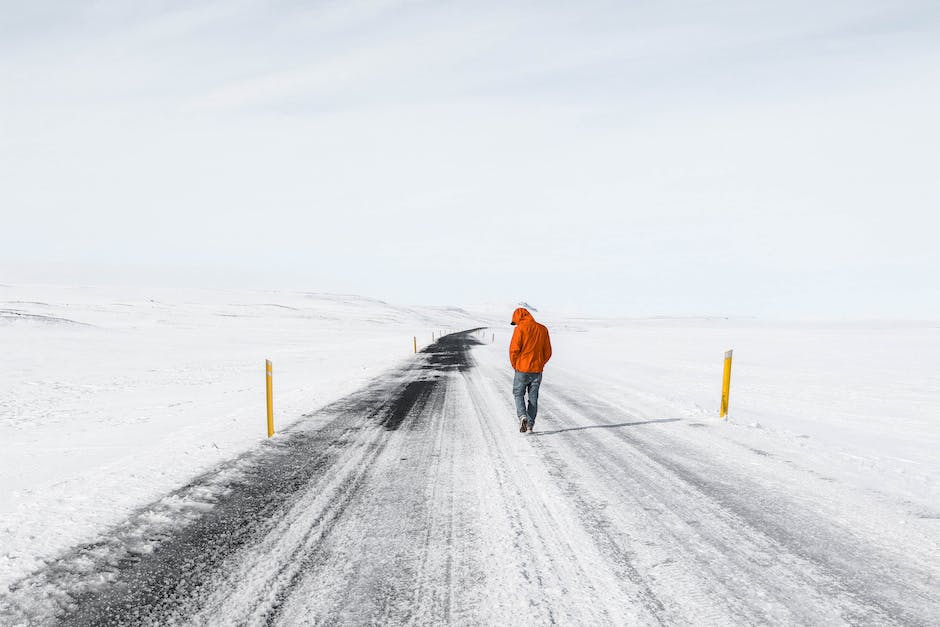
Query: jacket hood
[{"x": 521, "y": 314}]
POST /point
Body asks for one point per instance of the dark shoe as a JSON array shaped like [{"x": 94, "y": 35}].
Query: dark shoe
[{"x": 524, "y": 424}]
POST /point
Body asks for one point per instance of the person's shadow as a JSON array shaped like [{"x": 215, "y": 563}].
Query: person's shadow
[{"x": 610, "y": 426}]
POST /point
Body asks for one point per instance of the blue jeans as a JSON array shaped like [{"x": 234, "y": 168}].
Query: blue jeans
[{"x": 527, "y": 382}]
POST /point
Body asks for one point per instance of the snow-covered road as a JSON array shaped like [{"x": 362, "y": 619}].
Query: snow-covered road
[{"x": 416, "y": 500}]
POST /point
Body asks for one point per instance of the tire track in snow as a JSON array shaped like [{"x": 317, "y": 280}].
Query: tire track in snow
[
  {"x": 550, "y": 543},
  {"x": 313, "y": 555},
  {"x": 392, "y": 559},
  {"x": 598, "y": 479},
  {"x": 685, "y": 548},
  {"x": 410, "y": 404}
]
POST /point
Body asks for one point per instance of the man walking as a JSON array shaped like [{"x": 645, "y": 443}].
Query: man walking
[{"x": 529, "y": 351}]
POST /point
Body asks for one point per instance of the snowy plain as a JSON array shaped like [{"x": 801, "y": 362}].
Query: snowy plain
[{"x": 112, "y": 398}]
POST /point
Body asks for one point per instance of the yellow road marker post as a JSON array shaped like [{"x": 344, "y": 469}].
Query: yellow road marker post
[
  {"x": 725, "y": 385},
  {"x": 416, "y": 343},
  {"x": 269, "y": 385}
]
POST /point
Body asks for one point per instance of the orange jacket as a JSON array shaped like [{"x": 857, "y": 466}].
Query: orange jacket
[{"x": 530, "y": 348}]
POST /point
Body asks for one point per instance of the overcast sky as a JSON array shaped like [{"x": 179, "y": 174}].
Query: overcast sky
[{"x": 636, "y": 157}]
